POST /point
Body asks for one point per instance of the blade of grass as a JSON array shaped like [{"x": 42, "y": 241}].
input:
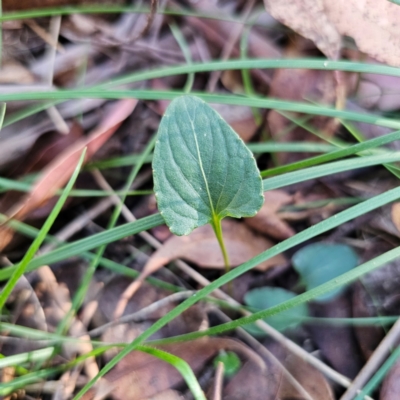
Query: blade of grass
[
  {"x": 380, "y": 374},
  {"x": 10, "y": 184},
  {"x": 249, "y": 63},
  {"x": 223, "y": 65},
  {"x": 20, "y": 269},
  {"x": 271, "y": 103},
  {"x": 108, "y": 9},
  {"x": 360, "y": 138},
  {"x": 334, "y": 155},
  {"x": 181, "y": 365},
  {"x": 186, "y": 53},
  {"x": 23, "y": 358},
  {"x": 328, "y": 169},
  {"x": 307, "y": 234}
]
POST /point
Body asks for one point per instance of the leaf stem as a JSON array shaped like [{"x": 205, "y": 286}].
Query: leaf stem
[{"x": 216, "y": 224}]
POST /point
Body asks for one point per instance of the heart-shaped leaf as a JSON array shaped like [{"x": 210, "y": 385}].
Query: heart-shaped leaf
[
  {"x": 203, "y": 171},
  {"x": 266, "y": 297},
  {"x": 318, "y": 263}
]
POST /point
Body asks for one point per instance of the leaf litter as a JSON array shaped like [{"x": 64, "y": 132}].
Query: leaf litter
[{"x": 96, "y": 50}]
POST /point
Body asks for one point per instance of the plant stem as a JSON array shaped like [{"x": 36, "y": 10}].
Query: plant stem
[{"x": 216, "y": 224}]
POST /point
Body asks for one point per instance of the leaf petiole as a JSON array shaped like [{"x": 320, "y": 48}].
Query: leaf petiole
[{"x": 216, "y": 224}]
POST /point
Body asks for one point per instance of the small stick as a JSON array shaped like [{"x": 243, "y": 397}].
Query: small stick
[
  {"x": 373, "y": 363},
  {"x": 218, "y": 383}
]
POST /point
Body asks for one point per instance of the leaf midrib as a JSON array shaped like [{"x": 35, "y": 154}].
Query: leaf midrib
[{"x": 213, "y": 214}]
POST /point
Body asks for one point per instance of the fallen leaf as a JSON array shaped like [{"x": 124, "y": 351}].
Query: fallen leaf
[
  {"x": 201, "y": 247},
  {"x": 267, "y": 220},
  {"x": 312, "y": 380},
  {"x": 57, "y": 173},
  {"x": 325, "y": 22},
  {"x": 14, "y": 72}
]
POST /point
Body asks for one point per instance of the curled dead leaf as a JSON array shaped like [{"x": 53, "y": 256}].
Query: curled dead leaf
[{"x": 324, "y": 22}]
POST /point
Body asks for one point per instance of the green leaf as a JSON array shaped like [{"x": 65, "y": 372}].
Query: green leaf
[
  {"x": 203, "y": 171},
  {"x": 266, "y": 297},
  {"x": 320, "y": 262},
  {"x": 231, "y": 362}
]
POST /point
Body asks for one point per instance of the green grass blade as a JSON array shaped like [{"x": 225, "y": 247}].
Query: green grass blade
[
  {"x": 23, "y": 358},
  {"x": 83, "y": 245},
  {"x": 186, "y": 53},
  {"x": 223, "y": 65},
  {"x": 297, "y": 147},
  {"x": 380, "y": 374},
  {"x": 328, "y": 169},
  {"x": 334, "y": 155},
  {"x": 21, "y": 267},
  {"x": 3, "y": 107},
  {"x": 107, "y": 9},
  {"x": 242, "y": 64},
  {"x": 299, "y": 238},
  {"x": 181, "y": 365},
  {"x": 270, "y": 103}
]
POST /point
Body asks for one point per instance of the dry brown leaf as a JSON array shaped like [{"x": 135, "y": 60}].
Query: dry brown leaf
[
  {"x": 267, "y": 221},
  {"x": 14, "y": 72},
  {"x": 253, "y": 379},
  {"x": 312, "y": 380},
  {"x": 325, "y": 22},
  {"x": 57, "y": 173},
  {"x": 201, "y": 247}
]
